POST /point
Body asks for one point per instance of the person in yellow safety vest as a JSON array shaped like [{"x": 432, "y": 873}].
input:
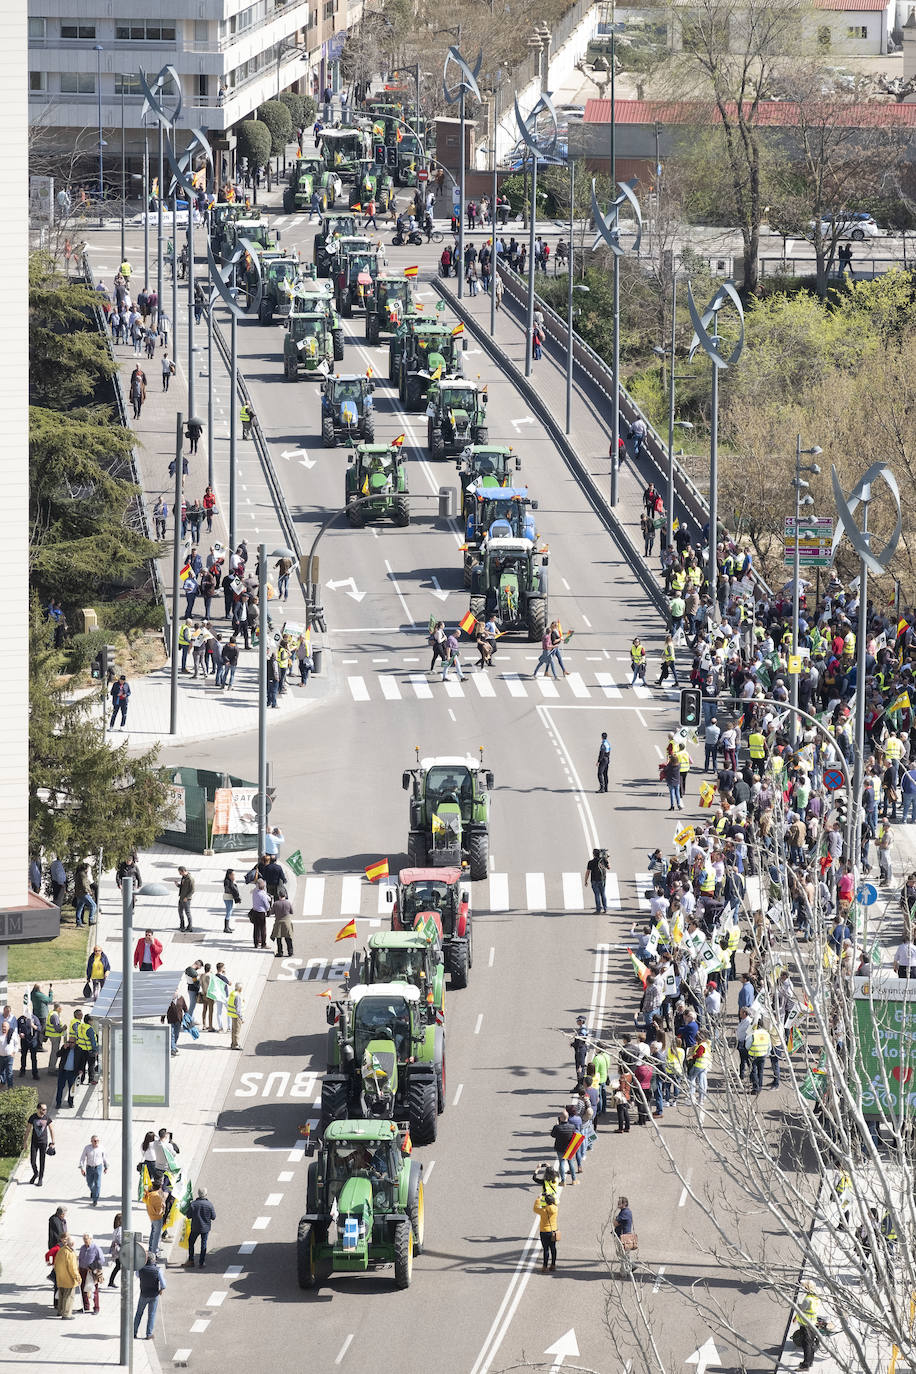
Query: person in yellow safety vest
[
  {"x": 246, "y": 415},
  {"x": 684, "y": 761},
  {"x": 638, "y": 662},
  {"x": 842, "y": 1188},
  {"x": 54, "y": 1030},
  {"x": 849, "y": 645},
  {"x": 759, "y": 1046},
  {"x": 236, "y": 1009},
  {"x": 757, "y": 747},
  {"x": 76, "y": 1021},
  {"x": 668, "y": 662},
  {"x": 185, "y": 640},
  {"x": 678, "y": 581},
  {"x": 282, "y": 664},
  {"x": 807, "y": 1338},
  {"x": 707, "y": 881},
  {"x": 893, "y": 749}
]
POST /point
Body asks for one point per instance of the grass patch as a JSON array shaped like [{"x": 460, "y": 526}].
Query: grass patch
[
  {"x": 55, "y": 961},
  {"x": 7, "y": 1165}
]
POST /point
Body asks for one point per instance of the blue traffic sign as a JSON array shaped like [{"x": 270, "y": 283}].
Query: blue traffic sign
[
  {"x": 867, "y": 894},
  {"x": 834, "y": 778}
]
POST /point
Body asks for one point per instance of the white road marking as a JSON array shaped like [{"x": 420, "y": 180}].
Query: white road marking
[
  {"x": 612, "y": 891},
  {"x": 216, "y": 1299},
  {"x": 456, "y": 1099},
  {"x": 200, "y": 1326},
  {"x": 420, "y": 686},
  {"x": 572, "y": 892},
  {"x": 548, "y": 688},
  {"x": 577, "y": 686},
  {"x": 516, "y": 688},
  {"x": 642, "y": 720},
  {"x": 492, "y": 957},
  {"x": 394, "y": 583},
  {"x": 565, "y": 583},
  {"x": 260, "y": 1223},
  {"x": 297, "y": 1153},
  {"x": 273, "y": 1199},
  {"x": 344, "y": 1348},
  {"x": 661, "y": 1269},
  {"x": 181, "y": 1357},
  {"x": 643, "y": 881},
  {"x": 586, "y": 621},
  {"x": 313, "y": 900},
  {"x": 233, "y": 1271},
  {"x": 358, "y": 689},
  {"x": 641, "y": 690},
  {"x": 390, "y": 689},
  {"x": 427, "y": 1170},
  {"x": 451, "y": 715},
  {"x": 509, "y": 1304},
  {"x": 478, "y": 1023},
  {"x": 535, "y": 892},
  {"x": 287, "y": 1176},
  {"x": 248, "y": 1247},
  {"x": 351, "y": 893},
  {"x": 483, "y": 684},
  {"x": 453, "y": 689},
  {"x": 685, "y": 1190},
  {"x": 607, "y": 685}
]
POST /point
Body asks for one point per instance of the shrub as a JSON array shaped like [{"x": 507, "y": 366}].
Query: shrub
[
  {"x": 276, "y": 116},
  {"x": 83, "y": 648},
  {"x": 294, "y": 103},
  {"x": 309, "y": 110},
  {"x": 16, "y": 1106},
  {"x": 254, "y": 142}
]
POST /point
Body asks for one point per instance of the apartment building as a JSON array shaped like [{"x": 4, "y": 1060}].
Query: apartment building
[{"x": 230, "y": 57}]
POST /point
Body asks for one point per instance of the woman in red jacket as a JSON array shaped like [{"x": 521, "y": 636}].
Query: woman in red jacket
[
  {"x": 209, "y": 505},
  {"x": 148, "y": 954}
]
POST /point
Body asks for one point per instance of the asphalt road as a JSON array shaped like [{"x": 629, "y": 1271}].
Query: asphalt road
[{"x": 541, "y": 955}]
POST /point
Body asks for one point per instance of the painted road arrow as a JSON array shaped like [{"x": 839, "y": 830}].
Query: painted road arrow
[
  {"x": 356, "y": 594},
  {"x": 437, "y": 590},
  {"x": 302, "y": 456},
  {"x": 529, "y": 420},
  {"x": 565, "y": 1346},
  {"x": 704, "y": 1357}
]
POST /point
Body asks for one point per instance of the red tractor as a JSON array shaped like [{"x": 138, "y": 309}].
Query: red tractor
[{"x": 442, "y": 894}]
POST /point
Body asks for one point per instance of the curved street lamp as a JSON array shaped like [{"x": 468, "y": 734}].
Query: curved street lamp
[
  {"x": 467, "y": 85},
  {"x": 609, "y": 230},
  {"x": 527, "y": 129}
]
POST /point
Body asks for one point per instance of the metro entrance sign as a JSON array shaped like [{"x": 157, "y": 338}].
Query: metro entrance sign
[{"x": 815, "y": 541}]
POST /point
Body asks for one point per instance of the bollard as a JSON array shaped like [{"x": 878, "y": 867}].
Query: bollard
[{"x": 447, "y": 503}]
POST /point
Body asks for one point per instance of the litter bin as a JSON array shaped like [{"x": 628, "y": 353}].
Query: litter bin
[{"x": 316, "y": 660}]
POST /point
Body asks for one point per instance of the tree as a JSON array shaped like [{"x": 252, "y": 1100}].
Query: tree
[
  {"x": 731, "y": 50},
  {"x": 276, "y": 116},
  {"x": 68, "y": 357},
  {"x": 294, "y": 103},
  {"x": 84, "y": 796},
  {"x": 254, "y": 142}
]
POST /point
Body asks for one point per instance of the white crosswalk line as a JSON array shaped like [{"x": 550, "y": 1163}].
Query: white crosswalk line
[
  {"x": 516, "y": 688},
  {"x": 453, "y": 689},
  {"x": 358, "y": 689},
  {"x": 384, "y": 906},
  {"x": 483, "y": 684},
  {"x": 606, "y": 683},
  {"x": 420, "y": 686},
  {"x": 612, "y": 892},
  {"x": 577, "y": 686},
  {"x": 499, "y": 892},
  {"x": 642, "y": 690},
  {"x": 351, "y": 895},
  {"x": 643, "y": 885},
  {"x": 548, "y": 688},
  {"x": 314, "y": 897},
  {"x": 389, "y": 685},
  {"x": 294, "y": 223},
  {"x": 535, "y": 892},
  {"x": 572, "y": 892},
  {"x": 279, "y": 222}
]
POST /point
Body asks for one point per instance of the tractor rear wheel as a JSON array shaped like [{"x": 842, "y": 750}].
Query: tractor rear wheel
[
  {"x": 416, "y": 850},
  {"x": 328, "y": 437},
  {"x": 458, "y": 963},
  {"x": 346, "y": 304},
  {"x": 265, "y": 314},
  {"x": 288, "y": 200},
  {"x": 440, "y": 1087},
  {"x": 368, "y": 427},
  {"x": 477, "y": 606},
  {"x": 337, "y": 337},
  {"x": 413, "y": 394},
  {"x": 401, "y": 511},
  {"x": 422, "y": 1109},
  {"x": 391, "y": 364},
  {"x": 435, "y": 442},
  {"x": 479, "y": 854},
  {"x": 306, "y": 1264},
  {"x": 481, "y": 435},
  {"x": 416, "y": 1206},
  {"x": 311, "y": 1187},
  {"x": 403, "y": 1254},
  {"x": 334, "y": 1097},
  {"x": 537, "y": 620},
  {"x": 372, "y": 329},
  {"x": 468, "y": 568},
  {"x": 290, "y": 370},
  {"x": 333, "y": 1065},
  {"x": 355, "y": 515}
]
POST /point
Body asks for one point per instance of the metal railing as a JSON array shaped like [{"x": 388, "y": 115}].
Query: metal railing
[{"x": 807, "y": 267}]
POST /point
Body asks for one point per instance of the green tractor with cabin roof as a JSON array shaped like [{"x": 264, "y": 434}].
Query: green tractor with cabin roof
[
  {"x": 510, "y": 584},
  {"x": 392, "y": 303},
  {"x": 456, "y": 415},
  {"x": 449, "y": 813},
  {"x": 365, "y": 1208},
  {"x": 422, "y": 350},
  {"x": 372, "y": 183},
  {"x": 406, "y": 956},
  {"x": 358, "y": 264},
  {"x": 279, "y": 278},
  {"x": 376, "y": 485},
  {"x": 324, "y": 248},
  {"x": 485, "y": 465},
  {"x": 306, "y": 176},
  {"x": 316, "y": 294},
  {"x": 307, "y": 346}
]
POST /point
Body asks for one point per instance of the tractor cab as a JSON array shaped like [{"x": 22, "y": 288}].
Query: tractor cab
[
  {"x": 431, "y": 893},
  {"x": 485, "y": 465},
  {"x": 500, "y": 513},
  {"x": 510, "y": 584}
]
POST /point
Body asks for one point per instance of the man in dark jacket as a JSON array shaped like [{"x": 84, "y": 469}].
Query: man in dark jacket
[
  {"x": 563, "y": 1133},
  {"x": 29, "y": 1028},
  {"x": 203, "y": 1215},
  {"x": 174, "y": 1016},
  {"x": 272, "y": 873},
  {"x": 152, "y": 1282}
]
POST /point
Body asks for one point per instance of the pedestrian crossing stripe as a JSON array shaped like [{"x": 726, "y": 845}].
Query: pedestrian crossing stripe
[
  {"x": 349, "y": 895},
  {"x": 392, "y": 686}
]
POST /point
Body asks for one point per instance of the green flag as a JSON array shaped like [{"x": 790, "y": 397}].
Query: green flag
[
  {"x": 296, "y": 862},
  {"x": 187, "y": 1199}
]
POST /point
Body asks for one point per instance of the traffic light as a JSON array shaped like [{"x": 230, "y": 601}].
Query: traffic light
[
  {"x": 98, "y": 666},
  {"x": 691, "y": 699},
  {"x": 109, "y": 662}
]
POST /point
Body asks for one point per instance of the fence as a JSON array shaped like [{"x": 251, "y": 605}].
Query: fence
[{"x": 807, "y": 267}]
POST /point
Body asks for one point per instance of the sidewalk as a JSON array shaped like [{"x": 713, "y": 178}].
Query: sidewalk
[{"x": 200, "y": 1077}]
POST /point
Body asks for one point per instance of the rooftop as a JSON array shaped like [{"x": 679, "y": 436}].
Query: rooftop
[{"x": 775, "y": 113}]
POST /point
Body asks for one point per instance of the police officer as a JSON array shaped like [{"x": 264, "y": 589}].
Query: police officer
[{"x": 604, "y": 758}]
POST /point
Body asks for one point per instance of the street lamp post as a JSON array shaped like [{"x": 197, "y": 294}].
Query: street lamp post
[
  {"x": 192, "y": 384},
  {"x": 124, "y": 177},
  {"x": 467, "y": 86},
  {"x": 799, "y": 485},
  {"x": 210, "y": 395},
  {"x": 569, "y": 339},
  {"x": 127, "y": 1118},
  {"x": 160, "y": 285},
  {"x": 527, "y": 129},
  {"x": 176, "y": 573},
  {"x": 493, "y": 195},
  {"x": 609, "y": 230},
  {"x": 98, "y": 61},
  {"x": 146, "y": 210},
  {"x": 669, "y": 516},
  {"x": 262, "y": 685}
]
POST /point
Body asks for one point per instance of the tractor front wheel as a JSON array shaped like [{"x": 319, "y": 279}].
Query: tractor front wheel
[
  {"x": 537, "y": 620},
  {"x": 265, "y": 314},
  {"x": 328, "y": 437},
  {"x": 368, "y": 428},
  {"x": 481, "y": 435},
  {"x": 401, "y": 511},
  {"x": 372, "y": 329},
  {"x": 479, "y": 854},
  {"x": 403, "y": 1254},
  {"x": 416, "y": 1207},
  {"x": 337, "y": 337},
  {"x": 416, "y": 850},
  {"x": 346, "y": 304},
  {"x": 477, "y": 607},
  {"x": 422, "y": 1110},
  {"x": 355, "y": 515},
  {"x": 458, "y": 963}
]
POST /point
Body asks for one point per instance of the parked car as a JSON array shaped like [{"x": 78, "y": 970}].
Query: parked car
[{"x": 857, "y": 224}]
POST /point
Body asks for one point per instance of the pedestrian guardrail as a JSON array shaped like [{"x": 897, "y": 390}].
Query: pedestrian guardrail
[{"x": 807, "y": 267}]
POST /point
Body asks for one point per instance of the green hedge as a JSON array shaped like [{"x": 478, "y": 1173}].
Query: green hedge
[{"x": 16, "y": 1106}]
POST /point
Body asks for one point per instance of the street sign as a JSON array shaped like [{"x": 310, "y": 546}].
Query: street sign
[
  {"x": 834, "y": 779},
  {"x": 256, "y": 804},
  {"x": 794, "y": 663},
  {"x": 867, "y": 894},
  {"x": 422, "y": 175},
  {"x": 815, "y": 541}
]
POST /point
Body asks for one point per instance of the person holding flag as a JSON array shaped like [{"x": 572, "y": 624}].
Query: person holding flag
[{"x": 567, "y": 1142}]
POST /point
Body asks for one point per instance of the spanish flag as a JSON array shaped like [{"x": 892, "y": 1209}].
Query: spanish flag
[
  {"x": 348, "y": 932},
  {"x": 396, "y": 443},
  {"x": 901, "y": 626},
  {"x": 375, "y": 871},
  {"x": 185, "y": 572},
  {"x": 411, "y": 271},
  {"x": 574, "y": 1145},
  {"x": 459, "y": 329},
  {"x": 467, "y": 623},
  {"x": 900, "y": 703},
  {"x": 356, "y": 208},
  {"x": 399, "y": 136},
  {"x": 639, "y": 968}
]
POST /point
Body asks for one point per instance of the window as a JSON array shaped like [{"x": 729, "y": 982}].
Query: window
[
  {"x": 77, "y": 30},
  {"x": 127, "y": 83},
  {"x": 37, "y": 27},
  {"x": 136, "y": 31},
  {"x": 38, "y": 81},
  {"x": 857, "y": 31},
  {"x": 201, "y": 30},
  {"x": 77, "y": 83}
]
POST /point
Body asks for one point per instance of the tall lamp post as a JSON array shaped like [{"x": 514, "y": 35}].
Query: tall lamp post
[
  {"x": 124, "y": 176},
  {"x": 798, "y": 486},
  {"x": 98, "y": 62},
  {"x": 152, "y": 104},
  {"x": 580, "y": 286},
  {"x": 221, "y": 290},
  {"x": 710, "y": 345},
  {"x": 609, "y": 230},
  {"x": 494, "y": 193},
  {"x": 527, "y": 129},
  {"x": 279, "y": 552},
  {"x": 877, "y": 563},
  {"x": 670, "y": 353},
  {"x": 467, "y": 85}
]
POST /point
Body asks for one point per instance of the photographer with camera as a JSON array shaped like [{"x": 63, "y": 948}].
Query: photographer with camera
[{"x": 546, "y": 1208}]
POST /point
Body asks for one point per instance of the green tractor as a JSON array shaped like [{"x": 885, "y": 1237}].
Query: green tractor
[
  {"x": 358, "y": 265},
  {"x": 372, "y": 183},
  {"x": 316, "y": 294},
  {"x": 306, "y": 176},
  {"x": 484, "y": 465},
  {"x": 347, "y": 412},
  {"x": 226, "y": 212},
  {"x": 364, "y": 1204},
  {"x": 456, "y": 416},
  {"x": 332, "y": 228},
  {"x": 279, "y": 277},
  {"x": 376, "y": 485},
  {"x": 439, "y": 893},
  {"x": 386, "y": 1059},
  {"x": 392, "y": 303},
  {"x": 510, "y": 584},
  {"x": 421, "y": 348},
  {"x": 307, "y": 346},
  {"x": 256, "y": 231},
  {"x": 344, "y": 150},
  {"x": 495, "y": 513},
  {"x": 406, "y": 956},
  {"x": 449, "y": 813}
]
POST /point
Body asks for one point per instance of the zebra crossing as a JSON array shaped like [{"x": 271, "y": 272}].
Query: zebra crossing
[
  {"x": 333, "y": 897},
  {"x": 414, "y": 686},
  {"x": 288, "y": 221}
]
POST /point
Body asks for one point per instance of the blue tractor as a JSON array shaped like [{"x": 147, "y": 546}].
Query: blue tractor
[
  {"x": 495, "y": 513},
  {"x": 346, "y": 409}
]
